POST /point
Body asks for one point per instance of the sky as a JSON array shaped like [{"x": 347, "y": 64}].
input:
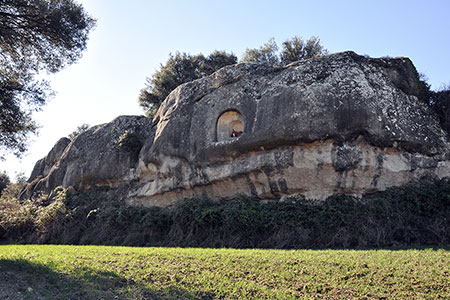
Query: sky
[{"x": 134, "y": 37}]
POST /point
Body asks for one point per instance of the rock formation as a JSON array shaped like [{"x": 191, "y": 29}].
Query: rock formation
[
  {"x": 103, "y": 155},
  {"x": 343, "y": 123}
]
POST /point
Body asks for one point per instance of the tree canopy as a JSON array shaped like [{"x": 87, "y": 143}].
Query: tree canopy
[
  {"x": 267, "y": 53},
  {"x": 35, "y": 36},
  {"x": 297, "y": 49},
  {"x": 292, "y": 50},
  {"x": 180, "y": 68}
]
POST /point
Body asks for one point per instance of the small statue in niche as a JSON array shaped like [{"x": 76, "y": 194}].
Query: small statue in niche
[{"x": 235, "y": 133}]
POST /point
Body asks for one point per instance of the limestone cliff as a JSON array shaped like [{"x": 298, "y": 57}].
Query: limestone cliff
[{"x": 339, "y": 124}]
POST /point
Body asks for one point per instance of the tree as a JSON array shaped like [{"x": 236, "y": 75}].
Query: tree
[
  {"x": 296, "y": 49},
  {"x": 35, "y": 35},
  {"x": 293, "y": 50},
  {"x": 216, "y": 61},
  {"x": 267, "y": 53},
  {"x": 180, "y": 68}
]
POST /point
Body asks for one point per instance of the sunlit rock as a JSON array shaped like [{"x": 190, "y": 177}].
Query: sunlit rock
[{"x": 343, "y": 123}]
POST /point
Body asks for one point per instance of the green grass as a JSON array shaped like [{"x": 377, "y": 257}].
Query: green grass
[{"x": 102, "y": 272}]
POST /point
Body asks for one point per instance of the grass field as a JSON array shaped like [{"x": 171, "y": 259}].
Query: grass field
[{"x": 99, "y": 272}]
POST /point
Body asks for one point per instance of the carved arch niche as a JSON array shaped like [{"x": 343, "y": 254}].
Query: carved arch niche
[{"x": 230, "y": 124}]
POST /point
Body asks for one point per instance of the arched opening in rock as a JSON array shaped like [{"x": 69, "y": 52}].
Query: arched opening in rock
[{"x": 229, "y": 125}]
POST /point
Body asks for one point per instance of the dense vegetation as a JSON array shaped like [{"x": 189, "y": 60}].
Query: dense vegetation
[
  {"x": 417, "y": 214},
  {"x": 92, "y": 272}
]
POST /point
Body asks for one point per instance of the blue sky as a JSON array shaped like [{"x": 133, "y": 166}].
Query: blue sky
[{"x": 134, "y": 37}]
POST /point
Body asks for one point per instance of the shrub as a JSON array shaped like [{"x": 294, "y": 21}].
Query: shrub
[
  {"x": 22, "y": 221},
  {"x": 417, "y": 214}
]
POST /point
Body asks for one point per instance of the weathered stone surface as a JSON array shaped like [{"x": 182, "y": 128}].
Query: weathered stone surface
[
  {"x": 339, "y": 124},
  {"x": 93, "y": 158},
  {"x": 43, "y": 166}
]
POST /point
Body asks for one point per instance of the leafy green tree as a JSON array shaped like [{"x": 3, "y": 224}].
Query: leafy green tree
[
  {"x": 293, "y": 50},
  {"x": 35, "y": 36},
  {"x": 296, "y": 49},
  {"x": 267, "y": 53},
  {"x": 180, "y": 68},
  {"x": 216, "y": 61}
]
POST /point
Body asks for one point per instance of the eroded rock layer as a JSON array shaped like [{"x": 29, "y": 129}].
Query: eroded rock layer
[{"x": 315, "y": 170}]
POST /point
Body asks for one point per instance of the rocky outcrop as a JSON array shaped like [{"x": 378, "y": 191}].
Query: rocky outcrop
[
  {"x": 339, "y": 124},
  {"x": 103, "y": 155}
]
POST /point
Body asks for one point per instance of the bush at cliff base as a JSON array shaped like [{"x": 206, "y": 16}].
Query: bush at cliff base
[{"x": 414, "y": 215}]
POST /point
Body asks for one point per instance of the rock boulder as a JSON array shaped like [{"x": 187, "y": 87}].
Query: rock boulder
[{"x": 343, "y": 123}]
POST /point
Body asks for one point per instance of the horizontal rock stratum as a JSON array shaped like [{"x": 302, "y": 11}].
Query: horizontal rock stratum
[{"x": 343, "y": 123}]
